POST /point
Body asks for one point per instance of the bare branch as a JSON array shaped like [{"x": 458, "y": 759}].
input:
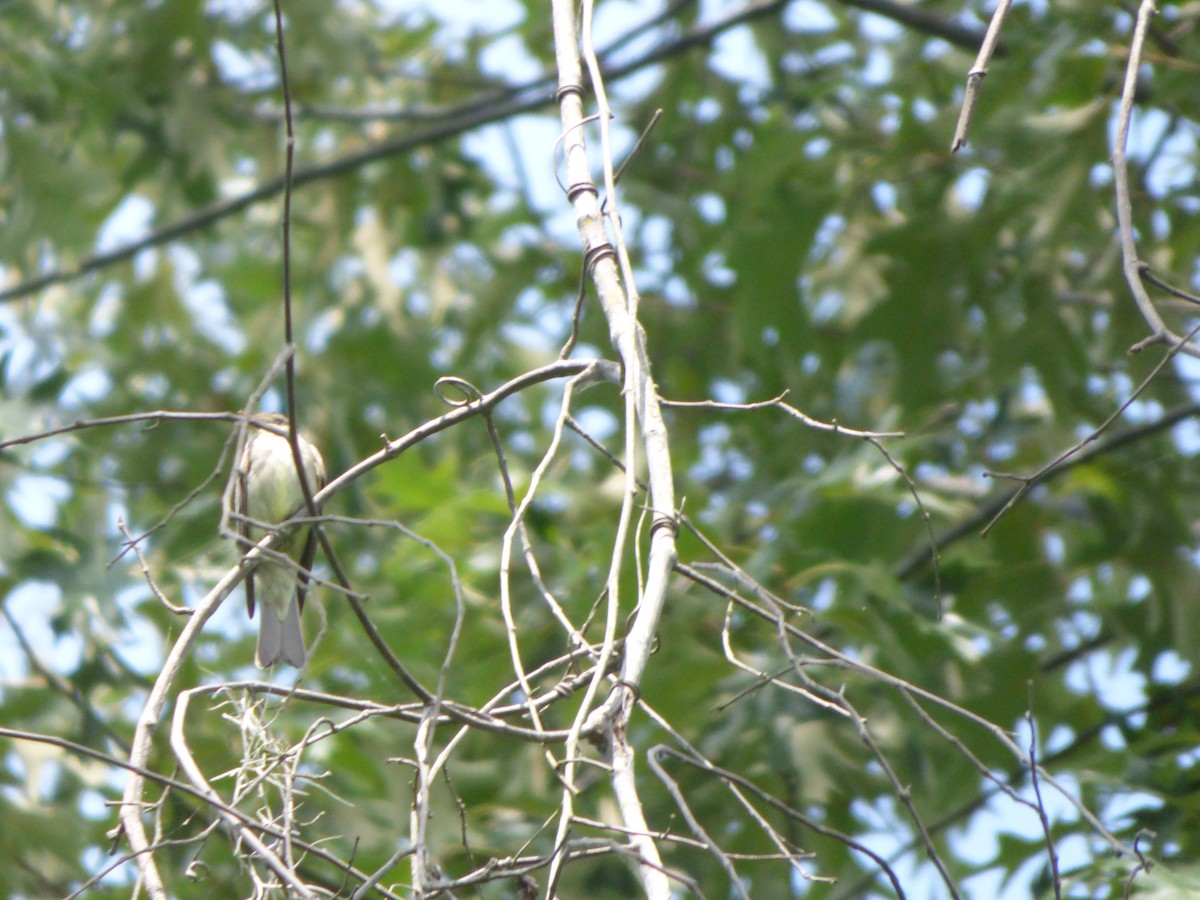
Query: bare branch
[
  {"x": 988, "y": 510},
  {"x": 1051, "y": 853},
  {"x": 1133, "y": 266},
  {"x": 976, "y": 75},
  {"x": 1028, "y": 481},
  {"x": 735, "y": 882}
]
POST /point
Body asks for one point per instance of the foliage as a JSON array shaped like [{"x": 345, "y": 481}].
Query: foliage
[{"x": 796, "y": 223}]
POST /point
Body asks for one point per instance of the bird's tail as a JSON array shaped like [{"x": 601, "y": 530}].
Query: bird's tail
[{"x": 280, "y": 640}]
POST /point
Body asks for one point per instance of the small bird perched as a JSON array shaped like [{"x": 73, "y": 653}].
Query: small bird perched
[{"x": 267, "y": 491}]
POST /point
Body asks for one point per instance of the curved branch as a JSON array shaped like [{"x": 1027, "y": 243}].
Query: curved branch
[{"x": 1132, "y": 266}]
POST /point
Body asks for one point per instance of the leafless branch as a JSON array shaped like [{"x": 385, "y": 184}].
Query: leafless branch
[
  {"x": 1026, "y": 482},
  {"x": 831, "y": 654},
  {"x": 132, "y": 543},
  {"x": 611, "y": 273},
  {"x": 1040, "y": 805},
  {"x": 733, "y": 779},
  {"x": 685, "y": 809},
  {"x": 991, "y": 508},
  {"x": 976, "y": 75},
  {"x": 1133, "y": 266}
]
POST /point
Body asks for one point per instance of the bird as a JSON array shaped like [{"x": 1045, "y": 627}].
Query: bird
[{"x": 267, "y": 490}]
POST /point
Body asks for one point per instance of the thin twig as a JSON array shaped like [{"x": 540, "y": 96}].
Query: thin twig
[
  {"x": 152, "y": 417},
  {"x": 1144, "y": 864},
  {"x": 838, "y": 701},
  {"x": 976, "y": 75},
  {"x": 1052, "y": 854},
  {"x": 897, "y": 683},
  {"x": 1027, "y": 482},
  {"x": 732, "y": 778},
  {"x": 777, "y": 402},
  {"x": 685, "y": 809},
  {"x": 148, "y": 575},
  {"x": 991, "y": 507},
  {"x": 1169, "y": 288}
]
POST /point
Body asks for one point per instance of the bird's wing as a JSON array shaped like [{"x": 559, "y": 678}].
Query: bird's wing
[
  {"x": 243, "y": 525},
  {"x": 306, "y": 562},
  {"x": 309, "y": 554}
]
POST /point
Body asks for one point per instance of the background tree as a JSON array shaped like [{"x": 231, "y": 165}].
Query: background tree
[{"x": 593, "y": 639}]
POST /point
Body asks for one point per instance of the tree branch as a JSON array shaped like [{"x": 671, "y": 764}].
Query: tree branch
[{"x": 475, "y": 113}]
